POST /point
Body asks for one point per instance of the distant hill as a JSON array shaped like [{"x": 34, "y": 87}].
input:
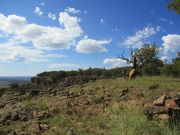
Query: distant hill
[{"x": 6, "y": 81}]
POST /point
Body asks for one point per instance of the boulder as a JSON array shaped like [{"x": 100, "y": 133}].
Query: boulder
[
  {"x": 44, "y": 127},
  {"x": 15, "y": 116},
  {"x": 161, "y": 117},
  {"x": 23, "y": 133},
  {"x": 150, "y": 111},
  {"x": 160, "y": 101},
  {"x": 25, "y": 113},
  {"x": 34, "y": 128},
  {"x": 41, "y": 115},
  {"x": 177, "y": 99},
  {"x": 170, "y": 103},
  {"x": 154, "y": 86},
  {"x": 34, "y": 92},
  {"x": 6, "y": 117}
]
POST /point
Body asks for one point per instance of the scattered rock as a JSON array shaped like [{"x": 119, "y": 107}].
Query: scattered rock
[
  {"x": 26, "y": 113},
  {"x": 34, "y": 128},
  {"x": 15, "y": 116},
  {"x": 2, "y": 105},
  {"x": 23, "y": 133},
  {"x": 150, "y": 110},
  {"x": 170, "y": 103},
  {"x": 154, "y": 86},
  {"x": 164, "y": 109},
  {"x": 161, "y": 117},
  {"x": 34, "y": 92},
  {"x": 41, "y": 115},
  {"x": 177, "y": 99},
  {"x": 44, "y": 127},
  {"x": 123, "y": 95},
  {"x": 140, "y": 95},
  {"x": 6, "y": 117},
  {"x": 160, "y": 101}
]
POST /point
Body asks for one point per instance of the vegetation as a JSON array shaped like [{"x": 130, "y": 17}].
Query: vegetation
[
  {"x": 119, "y": 118},
  {"x": 14, "y": 86},
  {"x": 174, "y": 5},
  {"x": 148, "y": 63}
]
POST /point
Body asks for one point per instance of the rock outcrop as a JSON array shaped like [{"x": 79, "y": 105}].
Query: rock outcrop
[{"x": 164, "y": 108}]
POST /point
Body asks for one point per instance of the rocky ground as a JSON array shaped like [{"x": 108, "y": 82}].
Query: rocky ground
[{"x": 101, "y": 107}]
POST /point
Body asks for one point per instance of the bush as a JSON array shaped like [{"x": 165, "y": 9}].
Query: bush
[
  {"x": 14, "y": 86},
  {"x": 151, "y": 69},
  {"x": 2, "y": 91}
]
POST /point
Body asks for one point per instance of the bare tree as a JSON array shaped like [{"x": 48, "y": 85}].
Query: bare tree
[{"x": 133, "y": 60}]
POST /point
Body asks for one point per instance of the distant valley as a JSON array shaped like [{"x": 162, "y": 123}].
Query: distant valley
[{"x": 6, "y": 81}]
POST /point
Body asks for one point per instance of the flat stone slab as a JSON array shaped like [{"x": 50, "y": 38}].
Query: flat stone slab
[{"x": 160, "y": 101}]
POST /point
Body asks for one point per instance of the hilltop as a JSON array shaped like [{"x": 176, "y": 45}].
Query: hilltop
[{"x": 99, "y": 107}]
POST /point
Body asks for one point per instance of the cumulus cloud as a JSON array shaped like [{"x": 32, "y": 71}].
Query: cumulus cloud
[
  {"x": 115, "y": 62},
  {"x": 42, "y": 37},
  {"x": 13, "y": 52},
  {"x": 63, "y": 66},
  {"x": 171, "y": 43},
  {"x": 87, "y": 45},
  {"x": 141, "y": 36},
  {"x": 38, "y": 11},
  {"x": 52, "y": 16},
  {"x": 72, "y": 10}
]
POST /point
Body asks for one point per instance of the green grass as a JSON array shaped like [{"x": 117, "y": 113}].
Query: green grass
[
  {"x": 32, "y": 103},
  {"x": 117, "y": 118},
  {"x": 125, "y": 121}
]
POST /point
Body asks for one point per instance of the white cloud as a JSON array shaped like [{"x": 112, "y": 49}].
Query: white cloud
[
  {"x": 13, "y": 52},
  {"x": 63, "y": 66},
  {"x": 42, "y": 37},
  {"x": 171, "y": 43},
  {"x": 115, "y": 62},
  {"x": 85, "y": 12},
  {"x": 87, "y": 45},
  {"x": 115, "y": 29},
  {"x": 72, "y": 10},
  {"x": 140, "y": 37},
  {"x": 42, "y": 4},
  {"x": 101, "y": 21},
  {"x": 165, "y": 20},
  {"x": 38, "y": 11},
  {"x": 52, "y": 16},
  {"x": 166, "y": 58}
]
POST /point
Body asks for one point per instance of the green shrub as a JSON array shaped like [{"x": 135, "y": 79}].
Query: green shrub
[{"x": 14, "y": 86}]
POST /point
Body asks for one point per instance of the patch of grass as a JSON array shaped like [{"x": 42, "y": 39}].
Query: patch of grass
[
  {"x": 131, "y": 121},
  {"x": 116, "y": 119},
  {"x": 40, "y": 106}
]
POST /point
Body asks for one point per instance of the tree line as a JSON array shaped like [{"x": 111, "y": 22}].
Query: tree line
[{"x": 148, "y": 63}]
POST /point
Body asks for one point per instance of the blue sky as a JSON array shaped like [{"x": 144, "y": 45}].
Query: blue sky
[{"x": 45, "y": 35}]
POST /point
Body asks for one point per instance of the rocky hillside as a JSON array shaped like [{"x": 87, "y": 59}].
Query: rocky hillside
[{"x": 88, "y": 107}]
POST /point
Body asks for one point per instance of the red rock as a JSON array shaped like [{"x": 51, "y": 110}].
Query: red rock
[{"x": 170, "y": 103}]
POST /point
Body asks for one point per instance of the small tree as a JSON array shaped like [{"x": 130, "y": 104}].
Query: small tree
[
  {"x": 145, "y": 60},
  {"x": 174, "y": 5}
]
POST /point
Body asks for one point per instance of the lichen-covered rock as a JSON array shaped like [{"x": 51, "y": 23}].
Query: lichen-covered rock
[
  {"x": 170, "y": 103},
  {"x": 15, "y": 116},
  {"x": 160, "y": 101},
  {"x": 34, "y": 128},
  {"x": 161, "y": 117},
  {"x": 6, "y": 116},
  {"x": 44, "y": 127},
  {"x": 34, "y": 92},
  {"x": 23, "y": 133}
]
